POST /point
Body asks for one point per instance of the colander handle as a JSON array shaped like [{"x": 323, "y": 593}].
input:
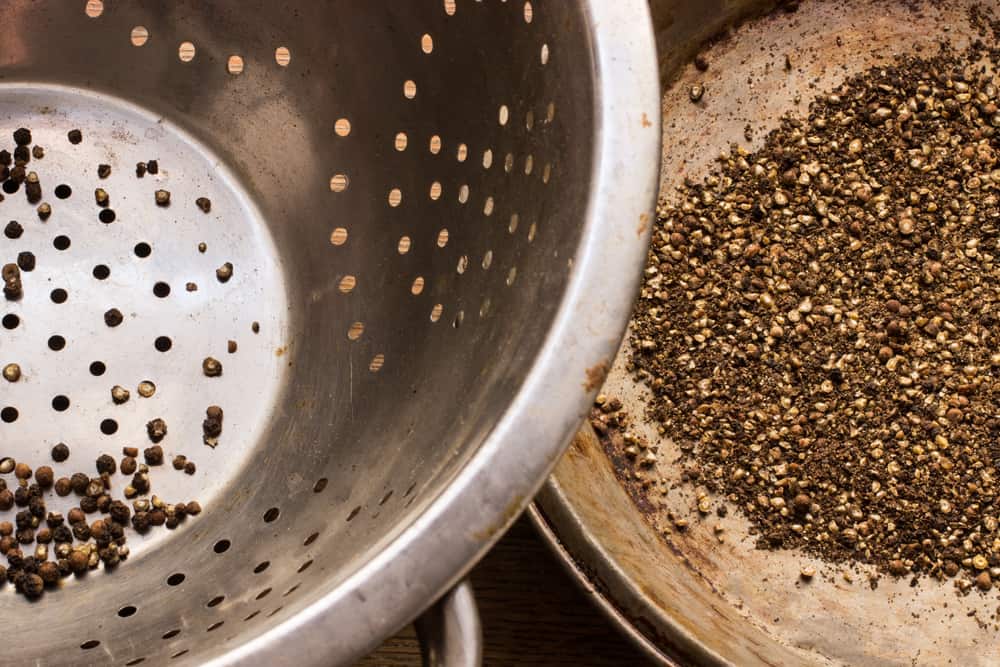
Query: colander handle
[{"x": 449, "y": 632}]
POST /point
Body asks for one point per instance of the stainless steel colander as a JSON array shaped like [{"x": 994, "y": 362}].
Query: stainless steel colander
[{"x": 436, "y": 213}]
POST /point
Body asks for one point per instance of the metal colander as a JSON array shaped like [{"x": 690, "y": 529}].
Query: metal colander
[{"x": 435, "y": 212}]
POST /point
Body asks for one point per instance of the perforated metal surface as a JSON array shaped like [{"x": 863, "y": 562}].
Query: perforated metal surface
[{"x": 403, "y": 189}]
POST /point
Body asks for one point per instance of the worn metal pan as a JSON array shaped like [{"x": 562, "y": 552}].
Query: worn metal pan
[{"x": 703, "y": 597}]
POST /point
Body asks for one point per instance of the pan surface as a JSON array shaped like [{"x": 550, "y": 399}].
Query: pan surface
[{"x": 706, "y": 595}]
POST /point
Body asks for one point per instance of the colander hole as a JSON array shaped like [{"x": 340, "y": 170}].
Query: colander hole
[
  {"x": 163, "y": 343},
  {"x": 305, "y": 566},
  {"x": 275, "y": 612},
  {"x": 282, "y": 56},
  {"x": 58, "y": 295},
  {"x": 386, "y": 497},
  {"x": 109, "y": 426},
  {"x": 63, "y": 191},
  {"x": 409, "y": 489},
  {"x": 56, "y": 343},
  {"x": 176, "y": 579},
  {"x": 10, "y": 186},
  {"x": 342, "y": 127},
  {"x": 457, "y": 322},
  {"x": 487, "y": 259},
  {"x": 409, "y": 89},
  {"x": 179, "y": 654},
  {"x": 216, "y": 601},
  {"x": 462, "y": 153},
  {"x": 61, "y": 242},
  {"x": 544, "y": 56},
  {"x": 309, "y": 540},
  {"x": 215, "y": 626},
  {"x": 161, "y": 289},
  {"x": 142, "y": 250},
  {"x": 222, "y": 546},
  {"x": 234, "y": 65},
  {"x": 487, "y": 158},
  {"x": 271, "y": 514},
  {"x": 127, "y": 611},
  {"x": 97, "y": 368},
  {"x": 528, "y": 12},
  {"x": 511, "y": 275},
  {"x": 427, "y": 43},
  {"x": 261, "y": 567},
  {"x": 101, "y": 272},
  {"x": 186, "y": 52},
  {"x": 463, "y": 194},
  {"x": 354, "y": 513},
  {"x": 338, "y": 236},
  {"x": 89, "y": 644},
  {"x": 290, "y": 590},
  {"x": 488, "y": 207},
  {"x": 435, "y": 192},
  {"x": 60, "y": 403},
  {"x": 514, "y": 219},
  {"x": 504, "y": 114},
  {"x": 320, "y": 485},
  {"x": 449, "y": 7},
  {"x": 355, "y": 331},
  {"x": 550, "y": 112},
  {"x": 442, "y": 239},
  {"x": 395, "y": 197},
  {"x": 376, "y": 363},
  {"x": 401, "y": 141},
  {"x": 404, "y": 245},
  {"x": 107, "y": 216},
  {"x": 418, "y": 285},
  {"x": 546, "y": 173},
  {"x": 508, "y": 163},
  {"x": 338, "y": 183},
  {"x": 529, "y": 120},
  {"x": 484, "y": 309},
  {"x": 134, "y": 662},
  {"x": 252, "y": 616},
  {"x": 463, "y": 264},
  {"x": 263, "y": 594},
  {"x": 347, "y": 284},
  {"x": 93, "y": 9},
  {"x": 436, "y": 312},
  {"x": 532, "y": 231},
  {"x": 10, "y": 321},
  {"x": 140, "y": 35},
  {"x": 8, "y": 415},
  {"x": 171, "y": 634},
  {"x": 529, "y": 165},
  {"x": 435, "y": 145}
]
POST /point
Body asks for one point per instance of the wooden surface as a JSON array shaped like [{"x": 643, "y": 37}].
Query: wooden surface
[{"x": 533, "y": 614}]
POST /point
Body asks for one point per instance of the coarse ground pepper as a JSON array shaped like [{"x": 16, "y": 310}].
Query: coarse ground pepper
[{"x": 818, "y": 323}]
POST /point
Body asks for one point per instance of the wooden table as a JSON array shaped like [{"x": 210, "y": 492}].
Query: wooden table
[{"x": 533, "y": 614}]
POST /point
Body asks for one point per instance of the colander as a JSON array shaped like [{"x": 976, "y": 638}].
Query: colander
[{"x": 435, "y": 214}]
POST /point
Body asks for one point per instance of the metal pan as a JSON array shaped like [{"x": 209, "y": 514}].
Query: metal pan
[{"x": 702, "y": 596}]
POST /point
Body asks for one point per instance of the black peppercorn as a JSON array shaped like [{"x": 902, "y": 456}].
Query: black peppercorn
[
  {"x": 13, "y": 230},
  {"x": 44, "y": 476},
  {"x": 106, "y": 464},
  {"x": 79, "y": 483},
  {"x": 22, "y": 136},
  {"x": 156, "y": 430},
  {"x": 26, "y": 261},
  {"x": 128, "y": 465},
  {"x": 113, "y": 317},
  {"x": 63, "y": 486},
  {"x": 103, "y": 170},
  {"x": 60, "y": 453},
  {"x": 75, "y": 136}
]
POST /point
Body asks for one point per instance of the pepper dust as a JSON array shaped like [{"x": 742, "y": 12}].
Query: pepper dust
[{"x": 818, "y": 324}]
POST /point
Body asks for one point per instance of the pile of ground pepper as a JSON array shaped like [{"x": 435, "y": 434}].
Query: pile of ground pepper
[{"x": 820, "y": 324}]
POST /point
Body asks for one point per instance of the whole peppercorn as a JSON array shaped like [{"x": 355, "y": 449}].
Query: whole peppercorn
[
  {"x": 75, "y": 515},
  {"x": 190, "y": 468},
  {"x": 88, "y": 504},
  {"x": 153, "y": 167},
  {"x": 6, "y": 528},
  {"x": 63, "y": 487},
  {"x": 193, "y": 508},
  {"x": 75, "y": 136},
  {"x": 103, "y": 170},
  {"x": 54, "y": 520},
  {"x": 13, "y": 230},
  {"x": 224, "y": 272},
  {"x": 43, "y": 536},
  {"x": 62, "y": 535},
  {"x": 48, "y": 572},
  {"x": 32, "y": 586},
  {"x": 157, "y": 517},
  {"x": 7, "y": 543},
  {"x": 140, "y": 482},
  {"x": 26, "y": 261},
  {"x": 23, "y": 519},
  {"x": 179, "y": 462},
  {"x": 81, "y": 531},
  {"x": 140, "y": 521},
  {"x": 22, "y": 471},
  {"x": 78, "y": 561},
  {"x": 119, "y": 512},
  {"x": 36, "y": 506},
  {"x": 131, "y": 451},
  {"x": 128, "y": 465},
  {"x": 22, "y": 136},
  {"x": 113, "y": 317},
  {"x": 153, "y": 455},
  {"x": 6, "y": 500},
  {"x": 60, "y": 452},
  {"x": 44, "y": 476},
  {"x": 204, "y": 203},
  {"x": 22, "y": 155},
  {"x": 25, "y": 535},
  {"x": 105, "y": 464},
  {"x": 79, "y": 482},
  {"x": 156, "y": 430},
  {"x": 211, "y": 367},
  {"x": 103, "y": 503},
  {"x": 37, "y": 152},
  {"x": 140, "y": 169}
]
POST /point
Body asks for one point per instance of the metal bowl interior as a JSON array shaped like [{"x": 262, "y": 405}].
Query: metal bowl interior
[
  {"x": 694, "y": 597},
  {"x": 408, "y": 194}
]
